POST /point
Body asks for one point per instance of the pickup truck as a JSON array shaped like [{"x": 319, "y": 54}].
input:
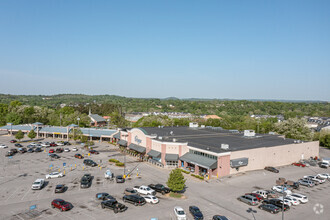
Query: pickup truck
[
  {"x": 160, "y": 188},
  {"x": 145, "y": 190},
  {"x": 114, "y": 205}
]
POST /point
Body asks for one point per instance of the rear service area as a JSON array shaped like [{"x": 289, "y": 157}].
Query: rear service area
[{"x": 213, "y": 197}]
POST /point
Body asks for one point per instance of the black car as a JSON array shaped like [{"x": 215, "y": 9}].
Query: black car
[
  {"x": 120, "y": 179},
  {"x": 195, "y": 212},
  {"x": 54, "y": 156},
  {"x": 66, "y": 143},
  {"x": 219, "y": 217},
  {"x": 89, "y": 162},
  {"x": 270, "y": 208},
  {"x": 85, "y": 182},
  {"x": 59, "y": 150},
  {"x": 22, "y": 150},
  {"x": 18, "y": 145},
  {"x": 135, "y": 199},
  {"x": 14, "y": 150},
  {"x": 30, "y": 150},
  {"x": 160, "y": 188},
  {"x": 60, "y": 188},
  {"x": 38, "y": 149},
  {"x": 114, "y": 205},
  {"x": 9, "y": 154},
  {"x": 272, "y": 169},
  {"x": 88, "y": 176},
  {"x": 104, "y": 196},
  {"x": 277, "y": 203}
]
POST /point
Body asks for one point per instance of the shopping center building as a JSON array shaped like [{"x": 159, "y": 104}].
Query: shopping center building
[{"x": 214, "y": 151}]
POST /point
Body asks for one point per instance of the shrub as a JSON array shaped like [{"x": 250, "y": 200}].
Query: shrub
[
  {"x": 198, "y": 176},
  {"x": 185, "y": 171},
  {"x": 114, "y": 161},
  {"x": 120, "y": 164}
]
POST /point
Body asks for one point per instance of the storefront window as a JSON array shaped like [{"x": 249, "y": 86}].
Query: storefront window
[
  {"x": 172, "y": 163},
  {"x": 203, "y": 154}
]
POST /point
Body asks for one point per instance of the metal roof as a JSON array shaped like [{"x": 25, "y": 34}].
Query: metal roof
[
  {"x": 96, "y": 117},
  {"x": 154, "y": 153},
  {"x": 62, "y": 130},
  {"x": 137, "y": 148},
  {"x": 92, "y": 132},
  {"x": 37, "y": 123},
  {"x": 171, "y": 157},
  {"x": 17, "y": 127},
  {"x": 123, "y": 143},
  {"x": 201, "y": 161},
  {"x": 117, "y": 135}
]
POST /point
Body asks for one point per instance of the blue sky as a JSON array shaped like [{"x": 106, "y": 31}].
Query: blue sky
[{"x": 204, "y": 49}]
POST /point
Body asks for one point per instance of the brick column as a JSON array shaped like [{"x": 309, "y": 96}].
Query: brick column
[{"x": 196, "y": 169}]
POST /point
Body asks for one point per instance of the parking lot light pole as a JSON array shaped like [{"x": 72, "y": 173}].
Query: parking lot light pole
[{"x": 283, "y": 195}]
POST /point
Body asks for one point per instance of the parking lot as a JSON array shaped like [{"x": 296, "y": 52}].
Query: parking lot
[{"x": 212, "y": 197}]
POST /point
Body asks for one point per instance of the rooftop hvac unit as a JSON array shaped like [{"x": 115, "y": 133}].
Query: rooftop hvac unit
[
  {"x": 193, "y": 125},
  {"x": 174, "y": 139},
  {"x": 171, "y": 132},
  {"x": 249, "y": 133},
  {"x": 225, "y": 146},
  {"x": 160, "y": 138}
]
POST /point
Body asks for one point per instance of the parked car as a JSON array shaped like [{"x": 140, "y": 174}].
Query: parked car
[
  {"x": 66, "y": 143},
  {"x": 145, "y": 190},
  {"x": 120, "y": 179},
  {"x": 104, "y": 196},
  {"x": 13, "y": 141},
  {"x": 324, "y": 175},
  {"x": 179, "y": 213},
  {"x": 108, "y": 174},
  {"x": 272, "y": 169},
  {"x": 37, "y": 150},
  {"x": 38, "y": 184},
  {"x": 59, "y": 150},
  {"x": 66, "y": 150},
  {"x": 219, "y": 217},
  {"x": 74, "y": 149},
  {"x": 30, "y": 150},
  {"x": 299, "y": 164},
  {"x": 290, "y": 200},
  {"x": 61, "y": 205},
  {"x": 54, "y": 156},
  {"x": 159, "y": 188},
  {"x": 51, "y": 151},
  {"x": 315, "y": 178},
  {"x": 114, "y": 205},
  {"x": 248, "y": 199},
  {"x": 324, "y": 165},
  {"x": 53, "y": 144},
  {"x": 316, "y": 183},
  {"x": 301, "y": 198},
  {"x": 262, "y": 193},
  {"x": 79, "y": 156},
  {"x": 270, "y": 208},
  {"x": 93, "y": 152},
  {"x": 85, "y": 182},
  {"x": 89, "y": 162},
  {"x": 130, "y": 191},
  {"x": 306, "y": 182},
  {"x": 281, "y": 189},
  {"x": 9, "y": 154},
  {"x": 151, "y": 199},
  {"x": 60, "y": 143},
  {"x": 3, "y": 146},
  {"x": 196, "y": 213},
  {"x": 18, "y": 145},
  {"x": 257, "y": 196},
  {"x": 15, "y": 151},
  {"x": 54, "y": 175},
  {"x": 277, "y": 203},
  {"x": 292, "y": 184},
  {"x": 135, "y": 199},
  {"x": 22, "y": 150},
  {"x": 60, "y": 188}
]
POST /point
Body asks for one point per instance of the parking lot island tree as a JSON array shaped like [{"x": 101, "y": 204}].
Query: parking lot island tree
[
  {"x": 32, "y": 134},
  {"x": 176, "y": 181},
  {"x": 19, "y": 135}
]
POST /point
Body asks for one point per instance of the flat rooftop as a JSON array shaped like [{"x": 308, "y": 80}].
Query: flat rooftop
[{"x": 210, "y": 139}]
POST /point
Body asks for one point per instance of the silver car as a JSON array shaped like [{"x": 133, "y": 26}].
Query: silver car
[{"x": 248, "y": 199}]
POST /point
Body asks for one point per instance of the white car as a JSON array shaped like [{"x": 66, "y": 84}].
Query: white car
[
  {"x": 292, "y": 200},
  {"x": 151, "y": 199},
  {"x": 3, "y": 146},
  {"x": 288, "y": 201},
  {"x": 262, "y": 193},
  {"x": 145, "y": 190},
  {"x": 324, "y": 175},
  {"x": 315, "y": 178},
  {"x": 54, "y": 175},
  {"x": 45, "y": 144},
  {"x": 74, "y": 149},
  {"x": 60, "y": 144},
  {"x": 38, "y": 184},
  {"x": 33, "y": 144},
  {"x": 179, "y": 213},
  {"x": 300, "y": 197},
  {"x": 280, "y": 190},
  {"x": 66, "y": 150}
]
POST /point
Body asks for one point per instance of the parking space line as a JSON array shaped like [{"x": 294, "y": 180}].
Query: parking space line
[
  {"x": 87, "y": 215},
  {"x": 61, "y": 213},
  {"x": 26, "y": 193},
  {"x": 12, "y": 194}
]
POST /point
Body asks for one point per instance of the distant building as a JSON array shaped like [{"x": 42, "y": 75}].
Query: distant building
[
  {"x": 96, "y": 120},
  {"x": 211, "y": 117}
]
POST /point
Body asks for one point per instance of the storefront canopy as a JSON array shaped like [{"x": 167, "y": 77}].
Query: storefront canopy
[
  {"x": 117, "y": 135},
  {"x": 122, "y": 143},
  {"x": 199, "y": 160},
  {"x": 137, "y": 148},
  {"x": 239, "y": 162},
  {"x": 154, "y": 153},
  {"x": 171, "y": 157}
]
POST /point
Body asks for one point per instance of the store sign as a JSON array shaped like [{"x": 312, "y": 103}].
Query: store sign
[
  {"x": 137, "y": 140},
  {"x": 239, "y": 162}
]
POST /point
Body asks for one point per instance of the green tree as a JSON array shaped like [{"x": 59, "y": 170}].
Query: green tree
[
  {"x": 176, "y": 181},
  {"x": 294, "y": 128},
  {"x": 325, "y": 140},
  {"x": 32, "y": 134},
  {"x": 19, "y": 135}
]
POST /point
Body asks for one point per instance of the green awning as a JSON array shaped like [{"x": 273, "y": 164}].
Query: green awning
[
  {"x": 137, "y": 148},
  {"x": 171, "y": 157},
  {"x": 153, "y": 153},
  {"x": 122, "y": 143},
  {"x": 199, "y": 160}
]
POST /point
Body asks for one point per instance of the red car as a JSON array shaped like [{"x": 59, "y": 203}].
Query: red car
[
  {"x": 257, "y": 196},
  {"x": 93, "y": 152},
  {"x": 61, "y": 205},
  {"x": 13, "y": 141},
  {"x": 53, "y": 144},
  {"x": 299, "y": 164},
  {"x": 51, "y": 151}
]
